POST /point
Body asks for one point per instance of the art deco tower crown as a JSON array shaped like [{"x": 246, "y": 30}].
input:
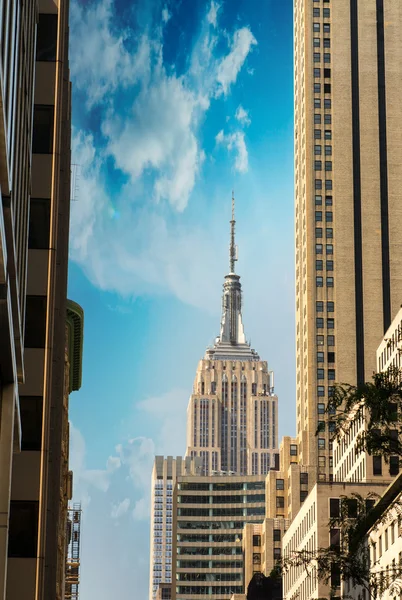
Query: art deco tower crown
[
  {"x": 231, "y": 342},
  {"x": 232, "y": 414}
]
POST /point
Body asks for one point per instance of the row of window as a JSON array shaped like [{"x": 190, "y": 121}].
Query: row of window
[
  {"x": 319, "y": 265},
  {"x": 327, "y": 103},
  {"x": 318, "y": 182},
  {"x": 319, "y": 306},
  {"x": 326, "y": 12},
  {"x": 320, "y": 281},
  {"x": 326, "y": 88},
  {"x": 330, "y": 357},
  {"x": 320, "y": 323},
  {"x": 319, "y": 215},
  {"x": 317, "y": 42},
  {"x": 327, "y": 166},
  {"x": 329, "y": 232},
  {"x": 326, "y": 59}
]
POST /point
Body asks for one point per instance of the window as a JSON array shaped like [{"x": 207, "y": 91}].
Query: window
[
  {"x": 280, "y": 502},
  {"x": 317, "y": 149},
  {"x": 328, "y": 184},
  {"x": 257, "y": 540},
  {"x": 318, "y": 182},
  {"x": 329, "y": 249},
  {"x": 329, "y": 232},
  {"x": 320, "y": 373},
  {"x": 327, "y": 42},
  {"x": 318, "y": 265},
  {"x": 321, "y": 408},
  {"x": 35, "y": 322},
  {"x": 330, "y": 265},
  {"x": 328, "y": 199},
  {"x": 331, "y": 357},
  {"x": 328, "y": 152},
  {"x": 317, "y": 72},
  {"x": 23, "y": 529},
  {"x": 319, "y": 306},
  {"x": 316, "y": 42},
  {"x": 39, "y": 223},
  {"x": 42, "y": 139},
  {"x": 303, "y": 495},
  {"x": 316, "y": 57},
  {"x": 328, "y": 165},
  {"x": 277, "y": 535},
  {"x": 334, "y": 508},
  {"x": 320, "y": 340},
  {"x": 330, "y": 306},
  {"x": 327, "y": 28},
  {"x": 377, "y": 465},
  {"x": 321, "y": 443},
  {"x": 280, "y": 484},
  {"x": 330, "y": 323},
  {"x": 328, "y": 134},
  {"x": 253, "y": 389},
  {"x": 316, "y": 12},
  {"x": 330, "y": 282},
  {"x": 319, "y": 282},
  {"x": 326, "y": 13},
  {"x": 31, "y": 422},
  {"x": 318, "y": 248},
  {"x": 331, "y": 340},
  {"x": 394, "y": 465},
  {"x": 318, "y": 233},
  {"x": 317, "y": 136},
  {"x": 320, "y": 357},
  {"x": 319, "y": 322},
  {"x": 293, "y": 449},
  {"x": 321, "y": 426},
  {"x": 277, "y": 554},
  {"x": 318, "y": 200},
  {"x": 46, "y": 39},
  {"x": 331, "y": 374},
  {"x": 327, "y": 88},
  {"x": 327, "y": 104},
  {"x": 321, "y": 461},
  {"x": 317, "y": 88},
  {"x": 316, "y": 27}
]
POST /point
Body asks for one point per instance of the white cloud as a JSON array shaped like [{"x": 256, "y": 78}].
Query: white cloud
[
  {"x": 103, "y": 62},
  {"x": 126, "y": 239},
  {"x": 230, "y": 66},
  {"x": 235, "y": 142},
  {"x": 242, "y": 115},
  {"x": 141, "y": 510},
  {"x": 159, "y": 136},
  {"x": 212, "y": 16},
  {"x": 165, "y": 14},
  {"x": 120, "y": 509}
]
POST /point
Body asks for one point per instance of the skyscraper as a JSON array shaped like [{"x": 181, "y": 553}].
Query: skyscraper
[
  {"x": 348, "y": 70},
  {"x": 232, "y": 416},
  {"x": 34, "y": 229}
]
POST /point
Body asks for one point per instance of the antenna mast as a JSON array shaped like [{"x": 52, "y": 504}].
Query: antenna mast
[{"x": 232, "y": 251}]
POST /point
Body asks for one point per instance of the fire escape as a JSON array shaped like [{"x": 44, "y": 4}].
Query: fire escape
[{"x": 73, "y": 552}]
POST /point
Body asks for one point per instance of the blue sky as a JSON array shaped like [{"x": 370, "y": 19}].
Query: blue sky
[{"x": 174, "y": 104}]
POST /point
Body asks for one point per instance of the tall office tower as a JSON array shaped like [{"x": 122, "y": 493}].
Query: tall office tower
[
  {"x": 348, "y": 137},
  {"x": 31, "y": 567},
  {"x": 232, "y": 416},
  {"x": 164, "y": 476},
  {"x": 209, "y": 516},
  {"x": 17, "y": 66}
]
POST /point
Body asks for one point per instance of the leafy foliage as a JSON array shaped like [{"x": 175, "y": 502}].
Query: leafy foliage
[{"x": 379, "y": 403}]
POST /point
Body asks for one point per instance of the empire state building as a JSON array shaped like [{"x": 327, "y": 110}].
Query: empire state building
[{"x": 232, "y": 415}]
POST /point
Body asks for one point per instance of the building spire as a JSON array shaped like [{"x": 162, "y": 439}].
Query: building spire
[{"x": 233, "y": 247}]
